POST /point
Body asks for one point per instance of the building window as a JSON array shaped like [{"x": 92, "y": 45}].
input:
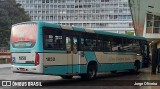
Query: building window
[
  {"x": 43, "y": 1},
  {"x": 47, "y": 1},
  {"x": 39, "y": 6},
  {"x": 55, "y": 1},
  {"x": 149, "y": 23}
]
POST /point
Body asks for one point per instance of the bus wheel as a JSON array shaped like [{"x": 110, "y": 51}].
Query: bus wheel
[
  {"x": 91, "y": 73},
  {"x": 66, "y": 77}
]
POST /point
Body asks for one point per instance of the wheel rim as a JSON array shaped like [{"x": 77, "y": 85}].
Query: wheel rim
[{"x": 91, "y": 73}]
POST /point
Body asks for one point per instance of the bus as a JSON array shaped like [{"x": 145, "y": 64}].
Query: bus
[{"x": 54, "y": 49}]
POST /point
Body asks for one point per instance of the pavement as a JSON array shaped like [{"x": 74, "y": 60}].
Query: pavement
[{"x": 5, "y": 65}]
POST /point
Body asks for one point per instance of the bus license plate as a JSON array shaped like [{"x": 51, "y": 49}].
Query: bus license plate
[
  {"x": 22, "y": 69},
  {"x": 22, "y": 57}
]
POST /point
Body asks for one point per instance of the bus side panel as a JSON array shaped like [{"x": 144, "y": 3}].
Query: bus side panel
[
  {"x": 107, "y": 67},
  {"x": 110, "y": 61},
  {"x": 61, "y": 64},
  {"x": 79, "y": 63},
  {"x": 90, "y": 56},
  {"x": 55, "y": 63},
  {"x": 55, "y": 70}
]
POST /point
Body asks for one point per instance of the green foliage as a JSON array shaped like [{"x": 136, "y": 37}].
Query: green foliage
[
  {"x": 129, "y": 33},
  {"x": 10, "y": 13}
]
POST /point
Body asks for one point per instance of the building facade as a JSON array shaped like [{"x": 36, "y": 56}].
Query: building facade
[
  {"x": 108, "y": 15},
  {"x": 146, "y": 18},
  {"x": 152, "y": 27}
]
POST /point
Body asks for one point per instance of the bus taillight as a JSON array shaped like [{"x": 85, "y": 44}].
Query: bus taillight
[{"x": 36, "y": 59}]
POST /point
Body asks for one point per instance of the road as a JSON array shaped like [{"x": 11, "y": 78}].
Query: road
[{"x": 104, "y": 81}]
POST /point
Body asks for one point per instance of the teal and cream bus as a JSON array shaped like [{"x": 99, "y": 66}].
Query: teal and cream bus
[{"x": 53, "y": 49}]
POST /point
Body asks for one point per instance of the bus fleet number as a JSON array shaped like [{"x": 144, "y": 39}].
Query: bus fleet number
[{"x": 50, "y": 58}]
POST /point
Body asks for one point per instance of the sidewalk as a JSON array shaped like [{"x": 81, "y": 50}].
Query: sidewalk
[{"x": 5, "y": 65}]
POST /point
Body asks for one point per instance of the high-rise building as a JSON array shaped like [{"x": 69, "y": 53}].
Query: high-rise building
[{"x": 109, "y": 15}]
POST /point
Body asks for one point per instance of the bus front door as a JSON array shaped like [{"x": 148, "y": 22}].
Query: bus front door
[{"x": 72, "y": 54}]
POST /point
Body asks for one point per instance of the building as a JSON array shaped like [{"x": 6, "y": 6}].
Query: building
[
  {"x": 109, "y": 15},
  {"x": 146, "y": 18},
  {"x": 4, "y": 55}
]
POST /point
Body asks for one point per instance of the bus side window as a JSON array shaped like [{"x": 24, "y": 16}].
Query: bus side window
[
  {"x": 75, "y": 45},
  {"x": 127, "y": 45},
  {"x": 107, "y": 44},
  {"x": 53, "y": 38},
  {"x": 100, "y": 45},
  {"x": 68, "y": 44},
  {"x": 49, "y": 41},
  {"x": 136, "y": 47},
  {"x": 117, "y": 44}
]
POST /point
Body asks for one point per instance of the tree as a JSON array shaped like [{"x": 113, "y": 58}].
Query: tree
[{"x": 10, "y": 13}]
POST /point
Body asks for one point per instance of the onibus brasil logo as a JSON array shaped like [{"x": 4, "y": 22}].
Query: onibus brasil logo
[{"x": 20, "y": 83}]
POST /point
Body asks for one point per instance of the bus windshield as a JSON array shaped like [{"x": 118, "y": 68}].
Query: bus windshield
[{"x": 24, "y": 35}]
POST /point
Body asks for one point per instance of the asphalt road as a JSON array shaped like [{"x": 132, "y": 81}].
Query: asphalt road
[{"x": 120, "y": 80}]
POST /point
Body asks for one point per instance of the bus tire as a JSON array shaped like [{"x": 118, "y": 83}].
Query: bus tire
[
  {"x": 91, "y": 73},
  {"x": 66, "y": 76}
]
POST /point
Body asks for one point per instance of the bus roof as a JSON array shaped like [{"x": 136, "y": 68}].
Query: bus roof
[
  {"x": 75, "y": 28},
  {"x": 28, "y": 22},
  {"x": 119, "y": 35}
]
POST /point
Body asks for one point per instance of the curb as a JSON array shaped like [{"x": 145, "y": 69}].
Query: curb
[{"x": 5, "y": 65}]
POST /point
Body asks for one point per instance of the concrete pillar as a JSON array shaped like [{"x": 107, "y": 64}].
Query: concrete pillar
[
  {"x": 158, "y": 61},
  {"x": 154, "y": 57}
]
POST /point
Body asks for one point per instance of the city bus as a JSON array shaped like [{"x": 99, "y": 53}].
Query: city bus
[{"x": 54, "y": 49}]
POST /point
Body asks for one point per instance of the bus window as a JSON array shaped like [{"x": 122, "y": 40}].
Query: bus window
[
  {"x": 75, "y": 45},
  {"x": 136, "y": 47},
  {"x": 49, "y": 41},
  {"x": 144, "y": 47},
  {"x": 127, "y": 45},
  {"x": 24, "y": 36},
  {"x": 88, "y": 42},
  {"x": 100, "y": 43},
  {"x": 107, "y": 45},
  {"x": 53, "y": 38},
  {"x": 117, "y": 44},
  {"x": 68, "y": 44}
]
